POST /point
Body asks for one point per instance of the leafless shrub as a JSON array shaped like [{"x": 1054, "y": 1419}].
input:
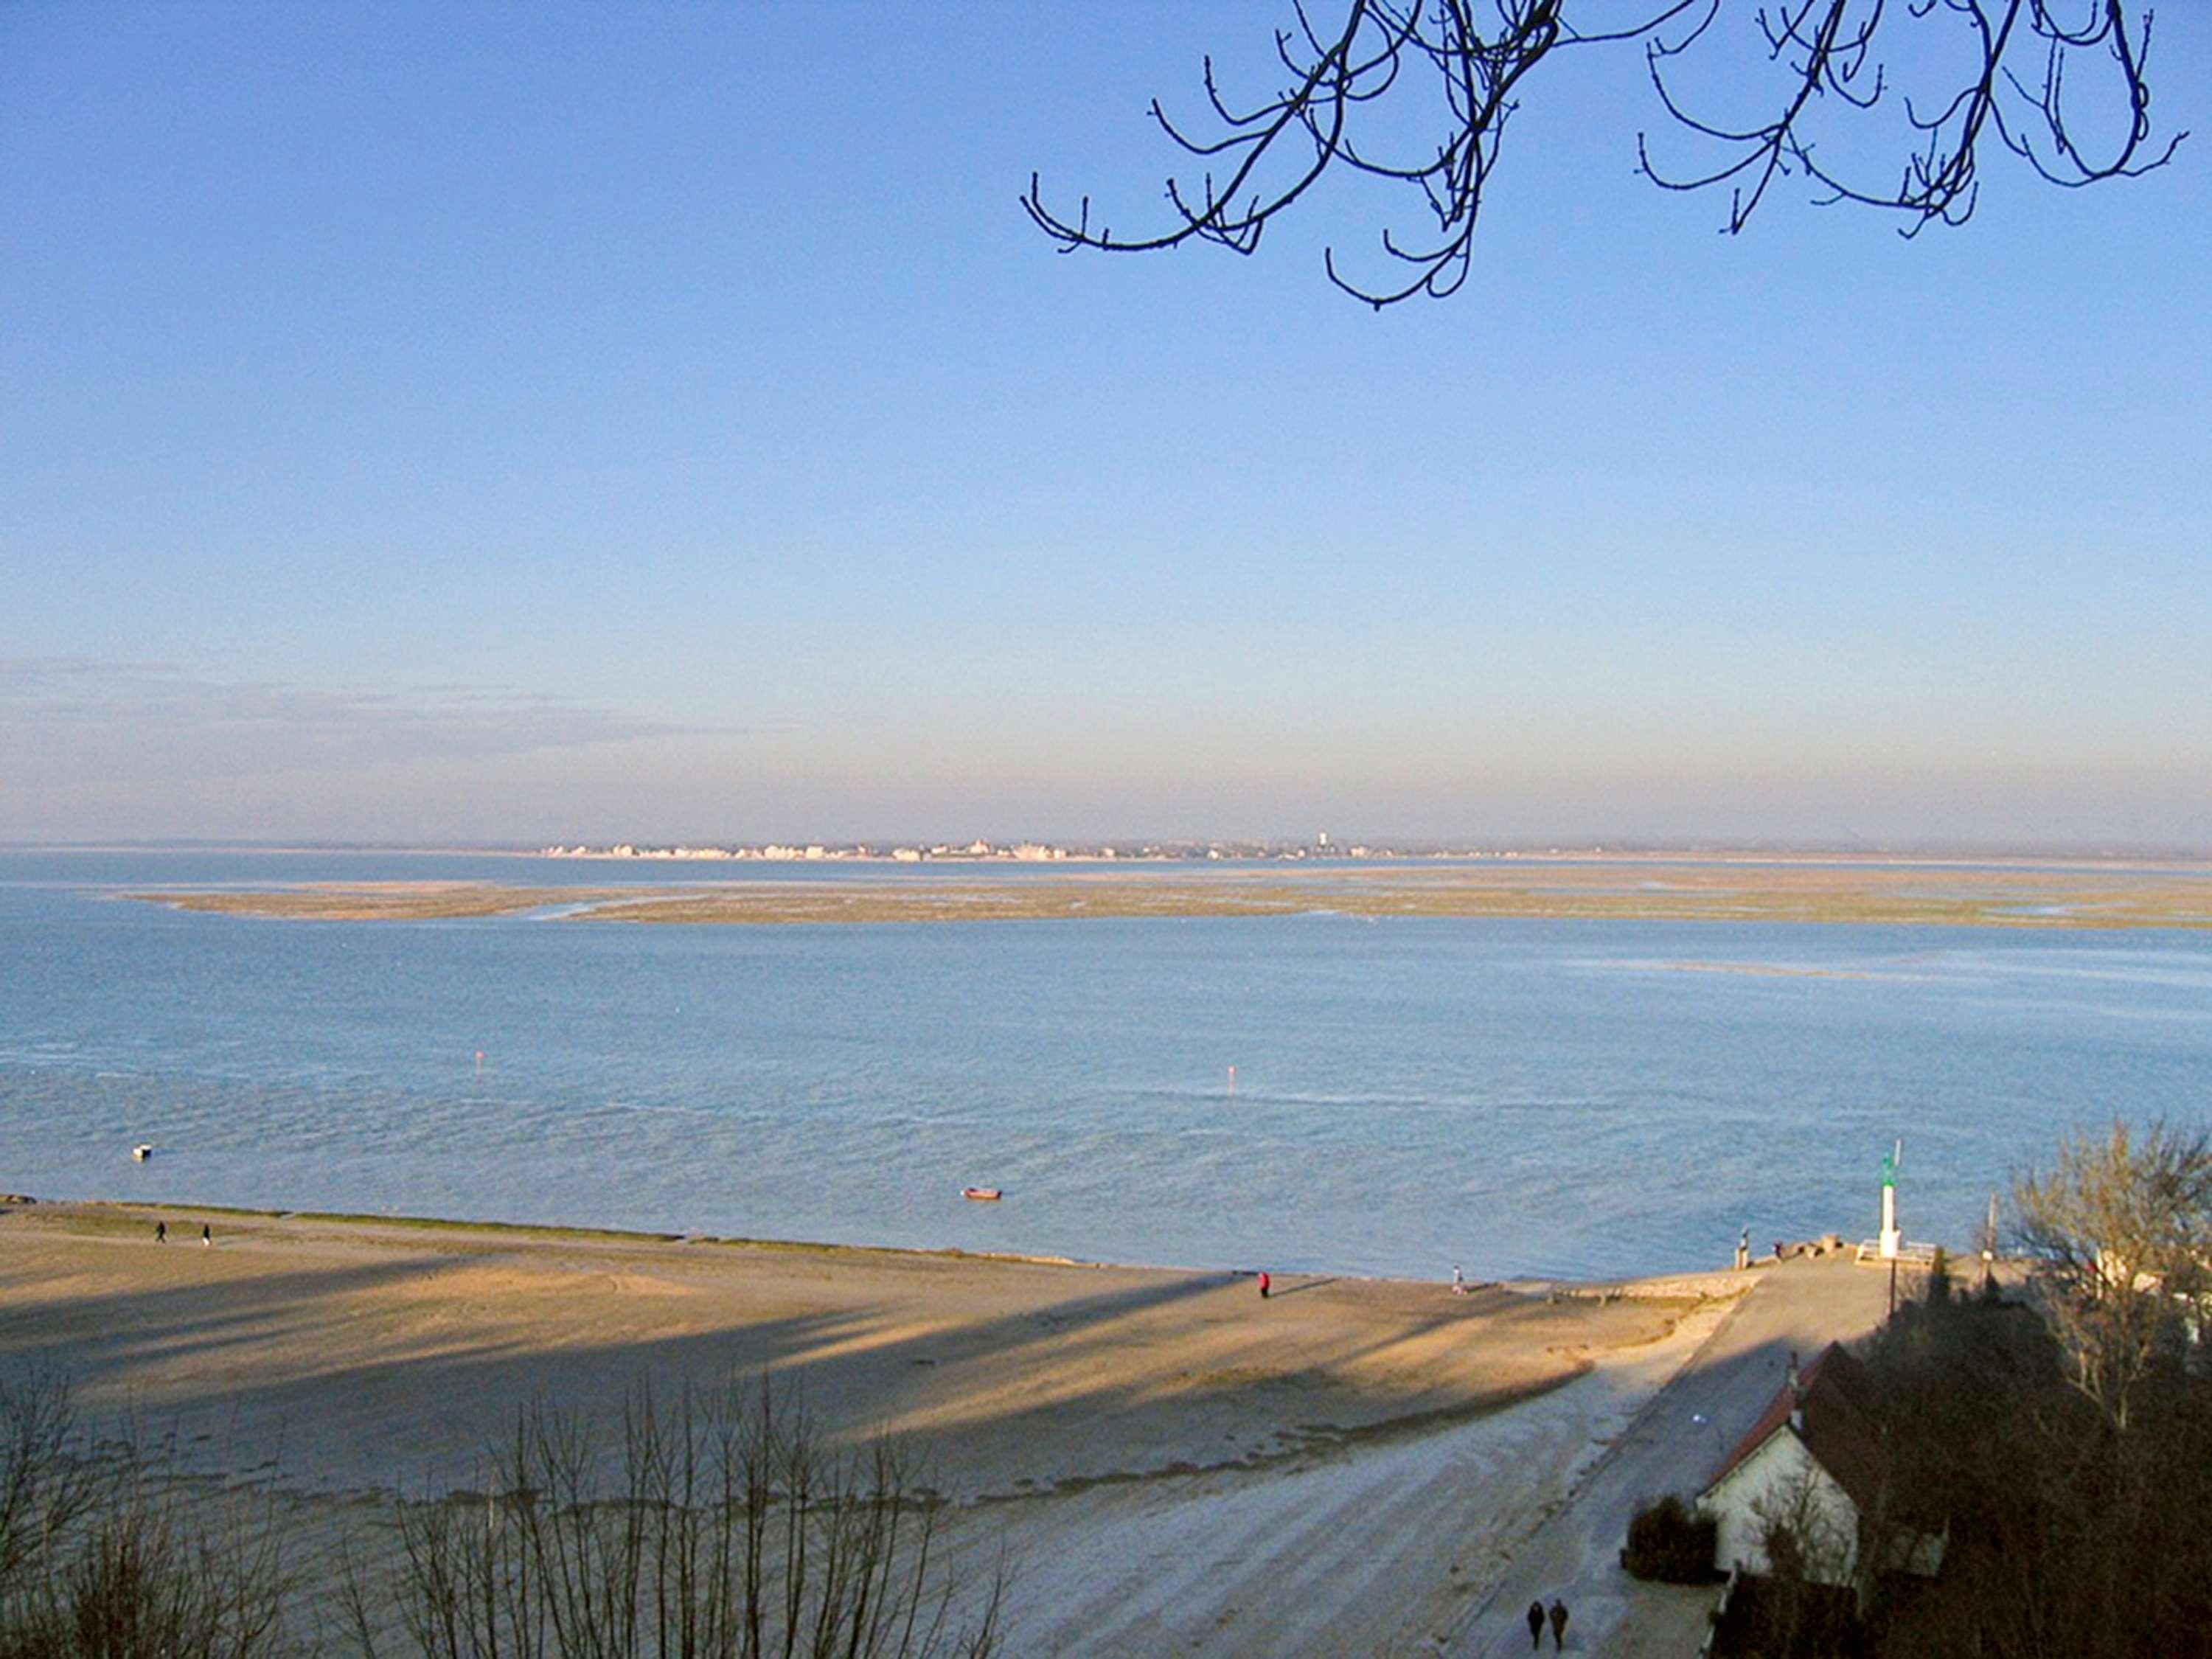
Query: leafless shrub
[
  {"x": 145, "y": 1583},
  {"x": 113, "y": 1557},
  {"x": 44, "y": 1486},
  {"x": 727, "y": 1530}
]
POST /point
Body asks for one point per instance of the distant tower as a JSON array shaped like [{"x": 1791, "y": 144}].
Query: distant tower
[
  {"x": 1890, "y": 1239},
  {"x": 1320, "y": 838}
]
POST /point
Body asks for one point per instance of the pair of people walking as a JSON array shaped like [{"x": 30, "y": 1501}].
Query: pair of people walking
[
  {"x": 161, "y": 1233},
  {"x": 1558, "y": 1616}
]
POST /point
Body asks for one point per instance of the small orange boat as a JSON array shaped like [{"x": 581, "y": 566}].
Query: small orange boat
[{"x": 983, "y": 1195}]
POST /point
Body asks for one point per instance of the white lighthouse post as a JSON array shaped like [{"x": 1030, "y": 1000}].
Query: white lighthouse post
[{"x": 1890, "y": 1237}]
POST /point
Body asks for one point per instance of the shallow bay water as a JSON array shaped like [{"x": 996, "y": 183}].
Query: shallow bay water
[{"x": 1518, "y": 1096}]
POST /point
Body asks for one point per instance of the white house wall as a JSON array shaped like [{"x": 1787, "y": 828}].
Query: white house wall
[{"x": 1766, "y": 1484}]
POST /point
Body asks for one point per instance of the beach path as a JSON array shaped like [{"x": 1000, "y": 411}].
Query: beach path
[
  {"x": 1375, "y": 1547},
  {"x": 1798, "y": 1306}
]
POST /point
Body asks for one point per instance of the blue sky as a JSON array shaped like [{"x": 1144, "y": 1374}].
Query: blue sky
[{"x": 457, "y": 424}]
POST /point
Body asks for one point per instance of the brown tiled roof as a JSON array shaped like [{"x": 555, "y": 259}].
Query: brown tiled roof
[{"x": 1838, "y": 1398}]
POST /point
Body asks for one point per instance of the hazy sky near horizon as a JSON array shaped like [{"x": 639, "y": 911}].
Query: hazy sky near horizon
[{"x": 458, "y": 422}]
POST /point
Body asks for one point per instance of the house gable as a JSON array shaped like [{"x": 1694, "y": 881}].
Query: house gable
[{"x": 1778, "y": 1479}]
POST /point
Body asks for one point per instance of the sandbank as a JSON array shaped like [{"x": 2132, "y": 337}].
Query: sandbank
[{"x": 2041, "y": 896}]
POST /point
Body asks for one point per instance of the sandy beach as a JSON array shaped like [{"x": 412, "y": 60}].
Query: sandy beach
[{"x": 1160, "y": 1453}]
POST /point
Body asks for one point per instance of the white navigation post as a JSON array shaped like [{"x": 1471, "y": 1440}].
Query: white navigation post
[{"x": 1890, "y": 1237}]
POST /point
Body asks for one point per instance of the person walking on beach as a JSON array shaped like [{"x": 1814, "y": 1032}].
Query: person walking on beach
[
  {"x": 161, "y": 1232},
  {"x": 1266, "y": 1284},
  {"x": 1459, "y": 1280},
  {"x": 1536, "y": 1624},
  {"x": 1559, "y": 1625},
  {"x": 206, "y": 1237}
]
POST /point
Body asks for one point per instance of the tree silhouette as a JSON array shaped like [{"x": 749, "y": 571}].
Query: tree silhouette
[
  {"x": 2013, "y": 70},
  {"x": 2119, "y": 1233}
]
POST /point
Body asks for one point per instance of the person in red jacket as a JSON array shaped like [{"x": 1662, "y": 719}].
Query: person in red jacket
[{"x": 1265, "y": 1284}]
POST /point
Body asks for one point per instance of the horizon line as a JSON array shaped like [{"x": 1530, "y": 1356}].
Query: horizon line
[{"x": 1375, "y": 849}]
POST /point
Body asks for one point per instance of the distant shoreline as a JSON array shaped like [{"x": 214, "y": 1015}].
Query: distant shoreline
[{"x": 2081, "y": 894}]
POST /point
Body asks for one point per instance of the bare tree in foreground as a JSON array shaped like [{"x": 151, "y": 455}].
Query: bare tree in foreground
[
  {"x": 2120, "y": 1233},
  {"x": 724, "y": 1528},
  {"x": 43, "y": 1488},
  {"x": 2061, "y": 84},
  {"x": 103, "y": 1551}
]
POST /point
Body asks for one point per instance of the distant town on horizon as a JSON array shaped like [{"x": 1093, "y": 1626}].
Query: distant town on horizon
[{"x": 1322, "y": 847}]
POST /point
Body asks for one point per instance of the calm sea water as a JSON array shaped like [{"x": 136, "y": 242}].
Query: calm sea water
[{"x": 1518, "y": 1096}]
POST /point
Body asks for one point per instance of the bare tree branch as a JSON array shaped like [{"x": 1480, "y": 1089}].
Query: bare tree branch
[{"x": 1471, "y": 57}]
